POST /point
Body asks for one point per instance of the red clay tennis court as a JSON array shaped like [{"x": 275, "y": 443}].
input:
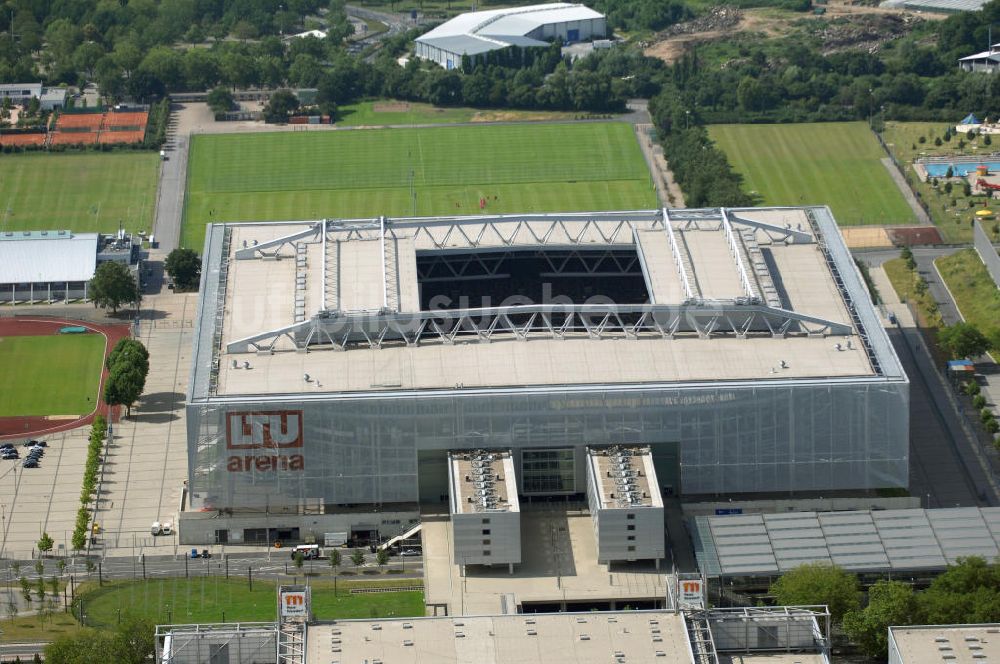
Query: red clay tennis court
[
  {"x": 74, "y": 138},
  {"x": 100, "y": 128},
  {"x": 22, "y": 139}
]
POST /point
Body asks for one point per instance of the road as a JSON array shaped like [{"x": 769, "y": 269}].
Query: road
[
  {"x": 170, "y": 193},
  {"x": 26, "y": 651},
  {"x": 947, "y": 467}
]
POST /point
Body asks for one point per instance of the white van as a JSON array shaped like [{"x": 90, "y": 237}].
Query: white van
[
  {"x": 308, "y": 551},
  {"x": 156, "y": 528}
]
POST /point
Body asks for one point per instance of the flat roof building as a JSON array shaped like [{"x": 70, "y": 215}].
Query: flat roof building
[
  {"x": 49, "y": 266},
  {"x": 21, "y": 93},
  {"x": 625, "y": 504},
  {"x": 337, "y": 363},
  {"x": 475, "y": 34},
  {"x": 944, "y": 644},
  {"x": 873, "y": 541},
  {"x": 485, "y": 515}
]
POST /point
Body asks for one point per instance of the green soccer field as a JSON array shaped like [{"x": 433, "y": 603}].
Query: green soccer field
[
  {"x": 401, "y": 172},
  {"x": 83, "y": 192},
  {"x": 50, "y": 375},
  {"x": 836, "y": 164}
]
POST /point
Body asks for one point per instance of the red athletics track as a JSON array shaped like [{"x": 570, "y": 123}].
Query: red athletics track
[{"x": 21, "y": 427}]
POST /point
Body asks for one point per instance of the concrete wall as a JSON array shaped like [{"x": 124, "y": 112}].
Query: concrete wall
[
  {"x": 987, "y": 253},
  {"x": 471, "y": 541},
  {"x": 595, "y": 28},
  {"x": 201, "y": 527}
]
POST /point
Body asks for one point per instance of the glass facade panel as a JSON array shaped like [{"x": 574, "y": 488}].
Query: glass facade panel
[
  {"x": 737, "y": 438},
  {"x": 548, "y": 471}
]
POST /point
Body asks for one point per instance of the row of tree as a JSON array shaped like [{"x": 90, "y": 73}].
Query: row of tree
[
  {"x": 968, "y": 592},
  {"x": 132, "y": 642}
]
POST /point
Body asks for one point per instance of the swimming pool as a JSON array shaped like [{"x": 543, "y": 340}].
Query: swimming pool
[{"x": 960, "y": 169}]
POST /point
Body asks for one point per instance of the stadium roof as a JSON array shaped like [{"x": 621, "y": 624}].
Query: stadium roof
[
  {"x": 478, "y": 32},
  {"x": 774, "y": 291},
  {"x": 42, "y": 256},
  {"x": 862, "y": 541}
]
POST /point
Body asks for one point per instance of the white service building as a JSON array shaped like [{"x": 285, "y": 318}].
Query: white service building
[
  {"x": 485, "y": 515},
  {"x": 475, "y": 34},
  {"x": 625, "y": 504}
]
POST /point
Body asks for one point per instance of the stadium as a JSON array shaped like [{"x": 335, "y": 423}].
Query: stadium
[{"x": 342, "y": 369}]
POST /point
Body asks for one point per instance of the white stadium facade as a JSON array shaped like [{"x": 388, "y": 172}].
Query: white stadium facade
[
  {"x": 340, "y": 364},
  {"x": 475, "y": 34}
]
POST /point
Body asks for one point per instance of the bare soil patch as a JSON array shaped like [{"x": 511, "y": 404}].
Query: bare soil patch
[{"x": 391, "y": 107}]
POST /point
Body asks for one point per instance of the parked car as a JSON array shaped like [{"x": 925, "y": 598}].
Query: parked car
[
  {"x": 7, "y": 446},
  {"x": 410, "y": 552},
  {"x": 30, "y": 463}
]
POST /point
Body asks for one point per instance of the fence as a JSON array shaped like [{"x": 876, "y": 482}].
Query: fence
[
  {"x": 988, "y": 254},
  {"x": 907, "y": 177}
]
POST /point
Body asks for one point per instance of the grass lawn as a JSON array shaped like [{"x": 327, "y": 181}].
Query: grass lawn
[
  {"x": 366, "y": 173},
  {"x": 84, "y": 192},
  {"x": 835, "y": 164},
  {"x": 34, "y": 628},
  {"x": 970, "y": 284},
  {"x": 390, "y": 112},
  {"x": 204, "y": 599},
  {"x": 50, "y": 375},
  {"x": 905, "y": 282}
]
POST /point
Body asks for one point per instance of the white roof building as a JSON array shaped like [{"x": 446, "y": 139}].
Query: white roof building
[
  {"x": 47, "y": 256},
  {"x": 477, "y": 33}
]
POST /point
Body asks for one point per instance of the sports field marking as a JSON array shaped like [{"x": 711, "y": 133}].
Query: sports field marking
[
  {"x": 516, "y": 168},
  {"x": 836, "y": 164},
  {"x": 83, "y": 192},
  {"x": 50, "y": 375}
]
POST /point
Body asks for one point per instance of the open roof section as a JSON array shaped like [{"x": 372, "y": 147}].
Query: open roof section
[{"x": 734, "y": 276}]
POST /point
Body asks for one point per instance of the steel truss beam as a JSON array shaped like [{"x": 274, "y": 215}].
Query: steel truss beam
[
  {"x": 605, "y": 261},
  {"x": 542, "y": 321}
]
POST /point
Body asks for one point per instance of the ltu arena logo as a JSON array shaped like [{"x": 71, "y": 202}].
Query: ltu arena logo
[{"x": 264, "y": 430}]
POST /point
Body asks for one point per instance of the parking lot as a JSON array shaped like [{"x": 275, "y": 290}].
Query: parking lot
[{"x": 43, "y": 499}]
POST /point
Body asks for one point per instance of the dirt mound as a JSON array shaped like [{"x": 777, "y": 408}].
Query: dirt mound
[
  {"x": 867, "y": 32},
  {"x": 715, "y": 20}
]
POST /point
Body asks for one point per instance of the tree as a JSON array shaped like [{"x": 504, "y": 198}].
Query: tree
[
  {"x": 124, "y": 387},
  {"x": 280, "y": 106},
  {"x": 819, "y": 583},
  {"x": 184, "y": 266},
  {"x": 129, "y": 353},
  {"x": 112, "y": 286},
  {"x": 381, "y": 558},
  {"x": 298, "y": 559},
  {"x": 45, "y": 543},
  {"x": 889, "y": 603},
  {"x": 219, "y": 100},
  {"x": 963, "y": 340},
  {"x": 357, "y": 558},
  {"x": 335, "y": 560},
  {"x": 131, "y": 643}
]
